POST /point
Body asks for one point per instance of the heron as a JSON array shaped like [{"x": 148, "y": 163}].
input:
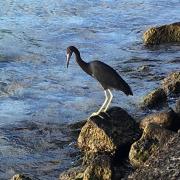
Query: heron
[{"x": 104, "y": 74}]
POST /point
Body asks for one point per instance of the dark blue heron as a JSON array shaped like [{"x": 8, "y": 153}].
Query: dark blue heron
[{"x": 104, "y": 74}]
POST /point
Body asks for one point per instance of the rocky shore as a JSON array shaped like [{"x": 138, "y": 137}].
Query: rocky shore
[{"x": 115, "y": 146}]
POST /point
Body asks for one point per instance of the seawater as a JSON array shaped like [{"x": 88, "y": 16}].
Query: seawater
[{"x": 39, "y": 96}]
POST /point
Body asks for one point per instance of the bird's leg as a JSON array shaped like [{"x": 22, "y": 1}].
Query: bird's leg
[
  {"x": 109, "y": 100},
  {"x": 106, "y": 98}
]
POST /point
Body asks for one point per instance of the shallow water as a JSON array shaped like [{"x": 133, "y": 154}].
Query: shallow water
[{"x": 36, "y": 87}]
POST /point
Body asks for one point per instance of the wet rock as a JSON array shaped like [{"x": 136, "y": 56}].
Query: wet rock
[
  {"x": 153, "y": 138},
  {"x": 98, "y": 168},
  {"x": 107, "y": 133},
  {"x": 171, "y": 84},
  {"x": 20, "y": 177},
  {"x": 162, "y": 34},
  {"x": 73, "y": 173},
  {"x": 165, "y": 164},
  {"x": 177, "y": 108},
  {"x": 167, "y": 119},
  {"x": 155, "y": 99},
  {"x": 144, "y": 68}
]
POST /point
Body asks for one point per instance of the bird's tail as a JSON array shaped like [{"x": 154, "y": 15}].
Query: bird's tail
[
  {"x": 127, "y": 89},
  {"x": 129, "y": 92}
]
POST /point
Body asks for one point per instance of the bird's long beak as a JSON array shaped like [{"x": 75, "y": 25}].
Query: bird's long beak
[{"x": 68, "y": 59}]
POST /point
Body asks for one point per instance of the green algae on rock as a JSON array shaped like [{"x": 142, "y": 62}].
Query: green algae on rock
[
  {"x": 164, "y": 164},
  {"x": 152, "y": 139}
]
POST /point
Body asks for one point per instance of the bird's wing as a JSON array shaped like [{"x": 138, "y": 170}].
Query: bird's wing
[
  {"x": 104, "y": 73},
  {"x": 108, "y": 77}
]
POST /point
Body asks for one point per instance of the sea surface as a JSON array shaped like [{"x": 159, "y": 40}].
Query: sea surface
[{"x": 39, "y": 96}]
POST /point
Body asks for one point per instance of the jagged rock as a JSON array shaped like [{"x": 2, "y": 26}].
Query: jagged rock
[
  {"x": 165, "y": 164},
  {"x": 99, "y": 168},
  {"x": 171, "y": 84},
  {"x": 153, "y": 137},
  {"x": 162, "y": 34},
  {"x": 155, "y": 99},
  {"x": 107, "y": 134},
  {"x": 167, "y": 119},
  {"x": 20, "y": 177},
  {"x": 75, "y": 173}
]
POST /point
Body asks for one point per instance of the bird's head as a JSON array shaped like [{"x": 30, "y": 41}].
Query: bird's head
[{"x": 69, "y": 52}]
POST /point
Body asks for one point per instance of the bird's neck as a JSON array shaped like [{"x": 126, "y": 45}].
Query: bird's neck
[{"x": 82, "y": 63}]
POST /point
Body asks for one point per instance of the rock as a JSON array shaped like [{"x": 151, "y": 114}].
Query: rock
[
  {"x": 98, "y": 168},
  {"x": 20, "y": 177},
  {"x": 155, "y": 99},
  {"x": 177, "y": 108},
  {"x": 171, "y": 84},
  {"x": 153, "y": 137},
  {"x": 162, "y": 34},
  {"x": 167, "y": 119},
  {"x": 165, "y": 164},
  {"x": 104, "y": 139},
  {"x": 75, "y": 173},
  {"x": 144, "y": 68},
  {"x": 107, "y": 134}
]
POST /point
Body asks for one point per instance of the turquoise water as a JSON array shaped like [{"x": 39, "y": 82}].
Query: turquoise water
[{"x": 37, "y": 90}]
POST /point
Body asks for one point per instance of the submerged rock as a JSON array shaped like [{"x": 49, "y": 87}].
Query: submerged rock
[
  {"x": 107, "y": 134},
  {"x": 167, "y": 119},
  {"x": 20, "y": 177},
  {"x": 171, "y": 84},
  {"x": 153, "y": 138},
  {"x": 165, "y": 164},
  {"x": 155, "y": 99},
  {"x": 162, "y": 34}
]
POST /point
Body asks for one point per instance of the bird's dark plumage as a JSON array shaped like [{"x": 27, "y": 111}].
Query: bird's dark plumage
[{"x": 103, "y": 73}]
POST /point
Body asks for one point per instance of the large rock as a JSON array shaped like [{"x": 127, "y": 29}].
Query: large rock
[
  {"x": 155, "y": 99},
  {"x": 106, "y": 135},
  {"x": 165, "y": 164},
  {"x": 153, "y": 137},
  {"x": 162, "y": 34},
  {"x": 104, "y": 139},
  {"x": 167, "y": 119},
  {"x": 171, "y": 84}
]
